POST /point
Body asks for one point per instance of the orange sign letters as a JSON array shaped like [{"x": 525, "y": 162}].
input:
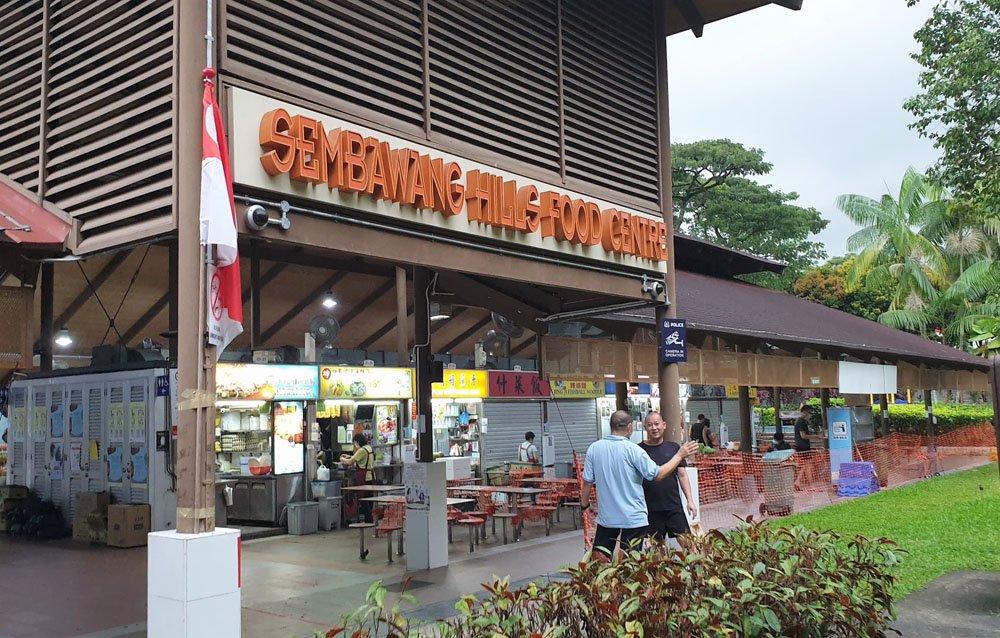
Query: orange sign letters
[{"x": 347, "y": 161}]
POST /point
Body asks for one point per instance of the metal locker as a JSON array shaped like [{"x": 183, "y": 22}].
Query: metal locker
[{"x": 18, "y": 463}]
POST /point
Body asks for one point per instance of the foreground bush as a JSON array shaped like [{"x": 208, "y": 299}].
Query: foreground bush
[
  {"x": 907, "y": 418},
  {"x": 754, "y": 581}
]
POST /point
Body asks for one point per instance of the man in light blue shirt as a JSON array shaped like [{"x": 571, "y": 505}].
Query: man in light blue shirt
[{"x": 617, "y": 466}]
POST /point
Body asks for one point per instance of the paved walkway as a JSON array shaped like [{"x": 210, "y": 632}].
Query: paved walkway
[{"x": 957, "y": 605}]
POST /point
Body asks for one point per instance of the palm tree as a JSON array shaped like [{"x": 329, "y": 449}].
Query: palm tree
[{"x": 892, "y": 250}]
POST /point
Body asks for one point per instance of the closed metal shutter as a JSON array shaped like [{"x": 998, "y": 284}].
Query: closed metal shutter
[
  {"x": 507, "y": 421},
  {"x": 609, "y": 68},
  {"x": 573, "y": 425},
  {"x": 352, "y": 54},
  {"x": 22, "y": 43},
  {"x": 718, "y": 410},
  {"x": 109, "y": 137}
]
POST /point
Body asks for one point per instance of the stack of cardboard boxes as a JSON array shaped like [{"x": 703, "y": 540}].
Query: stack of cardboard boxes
[
  {"x": 90, "y": 522},
  {"x": 118, "y": 525},
  {"x": 10, "y": 497}
]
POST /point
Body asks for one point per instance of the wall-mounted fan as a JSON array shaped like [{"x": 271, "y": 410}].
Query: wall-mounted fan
[
  {"x": 324, "y": 329},
  {"x": 496, "y": 344},
  {"x": 507, "y": 327}
]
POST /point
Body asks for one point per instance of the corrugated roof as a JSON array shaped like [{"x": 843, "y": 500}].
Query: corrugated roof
[
  {"x": 731, "y": 307},
  {"x": 703, "y": 256}
]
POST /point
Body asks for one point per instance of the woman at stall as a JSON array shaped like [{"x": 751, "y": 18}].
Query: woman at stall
[{"x": 363, "y": 461}]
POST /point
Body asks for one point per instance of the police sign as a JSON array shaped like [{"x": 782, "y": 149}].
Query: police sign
[{"x": 673, "y": 341}]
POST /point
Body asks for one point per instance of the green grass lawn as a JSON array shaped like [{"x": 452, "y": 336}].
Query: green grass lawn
[{"x": 946, "y": 524}]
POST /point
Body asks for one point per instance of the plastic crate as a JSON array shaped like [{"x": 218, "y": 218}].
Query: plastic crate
[{"x": 303, "y": 518}]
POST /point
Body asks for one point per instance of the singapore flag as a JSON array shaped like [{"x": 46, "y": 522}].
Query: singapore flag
[{"x": 218, "y": 227}]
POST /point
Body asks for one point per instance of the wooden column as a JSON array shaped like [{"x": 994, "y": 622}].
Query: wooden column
[
  {"x": 932, "y": 456},
  {"x": 883, "y": 407},
  {"x": 995, "y": 371},
  {"x": 196, "y": 411},
  {"x": 621, "y": 396},
  {"x": 824, "y": 403},
  {"x": 402, "y": 347},
  {"x": 47, "y": 302},
  {"x": 669, "y": 374},
  {"x": 172, "y": 300},
  {"x": 776, "y": 400},
  {"x": 422, "y": 365},
  {"x": 746, "y": 423}
]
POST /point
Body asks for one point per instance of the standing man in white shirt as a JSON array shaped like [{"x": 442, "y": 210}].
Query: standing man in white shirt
[
  {"x": 527, "y": 452},
  {"x": 617, "y": 466}
]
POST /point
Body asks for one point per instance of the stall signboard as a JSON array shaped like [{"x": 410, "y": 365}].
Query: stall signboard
[
  {"x": 266, "y": 382},
  {"x": 461, "y": 384},
  {"x": 341, "y": 382},
  {"x": 573, "y": 389},
  {"x": 518, "y": 385}
]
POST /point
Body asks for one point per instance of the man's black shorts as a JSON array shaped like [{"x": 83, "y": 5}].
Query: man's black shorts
[
  {"x": 667, "y": 523},
  {"x": 604, "y": 541}
]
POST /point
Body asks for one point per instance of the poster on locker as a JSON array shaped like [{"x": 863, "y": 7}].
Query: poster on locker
[
  {"x": 57, "y": 421},
  {"x": 137, "y": 422},
  {"x": 116, "y": 464},
  {"x": 140, "y": 465},
  {"x": 76, "y": 419}
]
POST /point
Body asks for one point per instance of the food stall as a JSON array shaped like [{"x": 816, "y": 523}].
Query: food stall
[
  {"x": 260, "y": 439},
  {"x": 369, "y": 400},
  {"x": 458, "y": 419}
]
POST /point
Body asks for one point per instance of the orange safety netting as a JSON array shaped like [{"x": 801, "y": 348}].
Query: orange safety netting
[{"x": 735, "y": 485}]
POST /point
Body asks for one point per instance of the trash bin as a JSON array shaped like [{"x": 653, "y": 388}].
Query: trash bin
[
  {"x": 303, "y": 517},
  {"x": 779, "y": 483},
  {"x": 326, "y": 488},
  {"x": 329, "y": 512}
]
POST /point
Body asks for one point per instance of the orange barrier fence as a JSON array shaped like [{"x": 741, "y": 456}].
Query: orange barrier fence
[{"x": 735, "y": 484}]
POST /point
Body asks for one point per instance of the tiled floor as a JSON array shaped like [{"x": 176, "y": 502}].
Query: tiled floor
[{"x": 292, "y": 585}]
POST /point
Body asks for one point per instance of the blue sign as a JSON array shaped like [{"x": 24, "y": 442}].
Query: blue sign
[
  {"x": 840, "y": 438},
  {"x": 673, "y": 341},
  {"x": 163, "y": 386}
]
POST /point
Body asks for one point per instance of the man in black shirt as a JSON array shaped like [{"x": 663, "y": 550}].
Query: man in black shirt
[
  {"x": 698, "y": 434},
  {"x": 803, "y": 437},
  {"x": 663, "y": 500}
]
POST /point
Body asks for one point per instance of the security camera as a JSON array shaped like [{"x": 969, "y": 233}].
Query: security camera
[
  {"x": 653, "y": 287},
  {"x": 258, "y": 219}
]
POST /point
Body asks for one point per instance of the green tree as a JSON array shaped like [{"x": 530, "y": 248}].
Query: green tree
[
  {"x": 699, "y": 167},
  {"x": 715, "y": 199},
  {"x": 827, "y": 285},
  {"x": 959, "y": 108}
]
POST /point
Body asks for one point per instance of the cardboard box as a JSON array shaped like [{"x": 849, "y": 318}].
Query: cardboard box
[
  {"x": 13, "y": 492},
  {"x": 92, "y": 528},
  {"x": 128, "y": 525},
  {"x": 88, "y": 503}
]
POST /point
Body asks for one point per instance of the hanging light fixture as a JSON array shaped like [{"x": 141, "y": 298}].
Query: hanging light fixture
[
  {"x": 63, "y": 338},
  {"x": 440, "y": 311},
  {"x": 328, "y": 300}
]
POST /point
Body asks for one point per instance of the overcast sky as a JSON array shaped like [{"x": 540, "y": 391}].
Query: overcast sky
[{"x": 820, "y": 91}]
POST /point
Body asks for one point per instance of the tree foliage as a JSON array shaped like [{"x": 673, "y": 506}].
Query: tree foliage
[
  {"x": 827, "y": 285},
  {"x": 715, "y": 199},
  {"x": 959, "y": 108}
]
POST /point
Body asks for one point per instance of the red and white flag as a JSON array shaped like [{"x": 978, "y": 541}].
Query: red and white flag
[{"x": 218, "y": 226}]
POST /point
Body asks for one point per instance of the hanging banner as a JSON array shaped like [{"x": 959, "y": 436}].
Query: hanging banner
[
  {"x": 673, "y": 341},
  {"x": 517, "y": 385}
]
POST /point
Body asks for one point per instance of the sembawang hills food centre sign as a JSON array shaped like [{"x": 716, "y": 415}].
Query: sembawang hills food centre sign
[{"x": 292, "y": 150}]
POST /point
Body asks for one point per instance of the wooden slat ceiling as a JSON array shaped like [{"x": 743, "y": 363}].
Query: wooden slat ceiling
[{"x": 368, "y": 320}]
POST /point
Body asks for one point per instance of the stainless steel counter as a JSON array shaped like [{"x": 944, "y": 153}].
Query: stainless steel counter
[{"x": 261, "y": 499}]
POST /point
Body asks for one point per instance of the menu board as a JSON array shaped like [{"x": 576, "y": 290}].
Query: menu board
[
  {"x": 339, "y": 382},
  {"x": 289, "y": 435},
  {"x": 569, "y": 389},
  {"x": 386, "y": 424},
  {"x": 513, "y": 385},
  {"x": 461, "y": 384},
  {"x": 265, "y": 382}
]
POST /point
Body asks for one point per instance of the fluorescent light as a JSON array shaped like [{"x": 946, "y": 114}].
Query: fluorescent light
[
  {"x": 63, "y": 338},
  {"x": 439, "y": 311},
  {"x": 609, "y": 376},
  {"x": 328, "y": 300},
  {"x": 643, "y": 376}
]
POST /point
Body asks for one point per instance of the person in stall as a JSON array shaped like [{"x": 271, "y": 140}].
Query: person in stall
[{"x": 363, "y": 461}]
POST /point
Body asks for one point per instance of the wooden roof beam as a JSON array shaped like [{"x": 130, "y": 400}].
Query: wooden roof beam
[
  {"x": 479, "y": 325},
  {"x": 524, "y": 345},
  {"x": 692, "y": 16},
  {"x": 477, "y": 293},
  {"x": 363, "y": 305},
  {"x": 144, "y": 320},
  {"x": 330, "y": 282},
  {"x": 109, "y": 269},
  {"x": 794, "y": 5},
  {"x": 265, "y": 279},
  {"x": 381, "y": 332}
]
